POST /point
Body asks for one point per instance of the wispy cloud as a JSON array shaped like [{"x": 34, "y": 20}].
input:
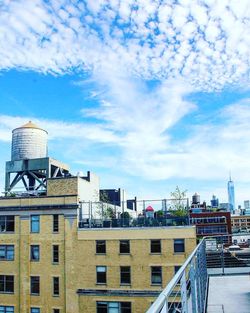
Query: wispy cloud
[
  {"x": 205, "y": 42},
  {"x": 142, "y": 139},
  {"x": 59, "y": 129},
  {"x": 184, "y": 46}
]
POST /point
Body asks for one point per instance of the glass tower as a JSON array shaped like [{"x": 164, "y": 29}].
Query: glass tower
[{"x": 230, "y": 190}]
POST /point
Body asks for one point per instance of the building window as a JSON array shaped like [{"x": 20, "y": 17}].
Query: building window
[
  {"x": 125, "y": 307},
  {"x": 125, "y": 277},
  {"x": 124, "y": 246},
  {"x": 156, "y": 278},
  {"x": 56, "y": 310},
  {"x": 35, "y": 285},
  {"x": 155, "y": 246},
  {"x": 6, "y": 309},
  {"x": 35, "y": 223},
  {"x": 34, "y": 253},
  {"x": 176, "y": 269},
  {"x": 113, "y": 307},
  {"x": 179, "y": 245},
  {"x": 101, "y": 274},
  {"x": 220, "y": 229},
  {"x": 100, "y": 246},
  {"x": 7, "y": 223},
  {"x": 6, "y": 253},
  {"x": 6, "y": 283},
  {"x": 34, "y": 310},
  {"x": 102, "y": 307},
  {"x": 55, "y": 254},
  {"x": 55, "y": 223},
  {"x": 56, "y": 286}
]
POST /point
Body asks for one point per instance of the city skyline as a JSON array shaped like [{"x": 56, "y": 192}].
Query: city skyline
[{"x": 145, "y": 94}]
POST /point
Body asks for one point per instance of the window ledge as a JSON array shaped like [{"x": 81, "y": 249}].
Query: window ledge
[
  {"x": 101, "y": 284},
  {"x": 126, "y": 285},
  {"x": 7, "y": 232},
  {"x": 156, "y": 285},
  {"x": 7, "y": 292},
  {"x": 155, "y": 253}
]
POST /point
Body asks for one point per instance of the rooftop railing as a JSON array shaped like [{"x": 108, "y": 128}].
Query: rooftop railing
[
  {"x": 133, "y": 213},
  {"x": 133, "y": 222},
  {"x": 187, "y": 291}
]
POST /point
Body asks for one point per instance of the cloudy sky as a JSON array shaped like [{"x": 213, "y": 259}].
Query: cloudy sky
[{"x": 148, "y": 94}]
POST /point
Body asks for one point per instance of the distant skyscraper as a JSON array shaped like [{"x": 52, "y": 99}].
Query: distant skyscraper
[
  {"x": 214, "y": 202},
  {"x": 247, "y": 207},
  {"x": 230, "y": 190}
]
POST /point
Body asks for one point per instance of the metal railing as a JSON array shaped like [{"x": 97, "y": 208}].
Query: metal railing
[
  {"x": 218, "y": 255},
  {"x": 186, "y": 292},
  {"x": 133, "y": 213},
  {"x": 133, "y": 222}
]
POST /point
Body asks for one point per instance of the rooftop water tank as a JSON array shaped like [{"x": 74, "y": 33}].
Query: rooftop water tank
[
  {"x": 29, "y": 142},
  {"x": 196, "y": 198}
]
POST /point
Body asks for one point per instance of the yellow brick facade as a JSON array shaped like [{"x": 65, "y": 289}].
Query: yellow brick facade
[{"x": 78, "y": 259}]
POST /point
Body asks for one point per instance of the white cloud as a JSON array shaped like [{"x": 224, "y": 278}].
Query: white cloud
[
  {"x": 138, "y": 127},
  {"x": 203, "y": 44},
  {"x": 143, "y": 37},
  {"x": 59, "y": 129}
]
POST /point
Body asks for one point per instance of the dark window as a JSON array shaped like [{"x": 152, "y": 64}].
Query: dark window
[
  {"x": 35, "y": 285},
  {"x": 126, "y": 307},
  {"x": 101, "y": 246},
  {"x": 176, "y": 269},
  {"x": 56, "y": 223},
  {"x": 174, "y": 307},
  {"x": 113, "y": 307},
  {"x": 124, "y": 246},
  {"x": 55, "y": 254},
  {"x": 155, "y": 246},
  {"x": 101, "y": 276},
  {"x": 125, "y": 276},
  {"x": 7, "y": 223},
  {"x": 34, "y": 253},
  {"x": 179, "y": 245},
  {"x": 6, "y": 309},
  {"x": 6, "y": 283},
  {"x": 56, "y": 310},
  {"x": 56, "y": 286},
  {"x": 6, "y": 253},
  {"x": 34, "y": 310},
  {"x": 156, "y": 278},
  {"x": 102, "y": 307},
  {"x": 35, "y": 223}
]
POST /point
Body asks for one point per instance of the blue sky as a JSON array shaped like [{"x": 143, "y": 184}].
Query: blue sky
[{"x": 148, "y": 94}]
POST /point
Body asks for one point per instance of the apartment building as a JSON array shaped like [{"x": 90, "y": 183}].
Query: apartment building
[
  {"x": 240, "y": 223},
  {"x": 49, "y": 263},
  {"x": 211, "y": 223}
]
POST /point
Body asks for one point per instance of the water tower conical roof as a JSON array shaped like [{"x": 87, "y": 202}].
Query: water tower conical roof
[{"x": 30, "y": 124}]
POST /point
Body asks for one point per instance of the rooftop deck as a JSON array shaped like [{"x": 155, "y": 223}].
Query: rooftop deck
[{"x": 229, "y": 294}]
